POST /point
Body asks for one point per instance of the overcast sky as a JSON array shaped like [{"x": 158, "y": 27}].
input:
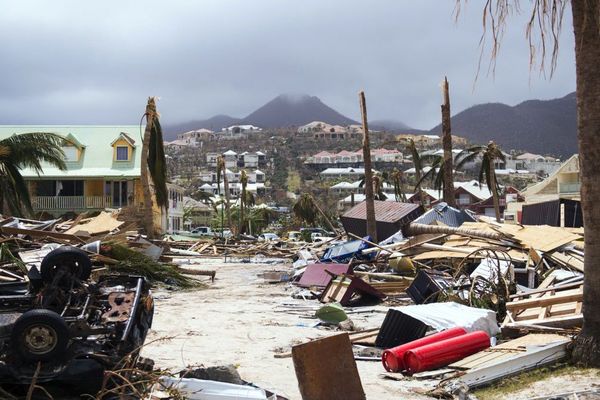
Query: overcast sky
[{"x": 76, "y": 62}]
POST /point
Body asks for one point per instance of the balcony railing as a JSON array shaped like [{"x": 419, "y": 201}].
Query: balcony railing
[
  {"x": 569, "y": 187},
  {"x": 71, "y": 202}
]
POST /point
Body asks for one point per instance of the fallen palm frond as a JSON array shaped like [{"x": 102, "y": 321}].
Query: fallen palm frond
[{"x": 134, "y": 262}]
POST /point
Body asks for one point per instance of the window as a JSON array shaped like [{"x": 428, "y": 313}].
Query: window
[
  {"x": 71, "y": 153},
  {"x": 122, "y": 153}
]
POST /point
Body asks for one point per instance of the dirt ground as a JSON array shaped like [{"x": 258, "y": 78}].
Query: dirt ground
[{"x": 241, "y": 320}]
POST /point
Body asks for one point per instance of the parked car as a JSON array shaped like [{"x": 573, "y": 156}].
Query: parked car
[
  {"x": 294, "y": 236},
  {"x": 203, "y": 231},
  {"x": 268, "y": 237}
]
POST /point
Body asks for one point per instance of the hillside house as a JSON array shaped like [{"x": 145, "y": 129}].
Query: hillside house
[
  {"x": 534, "y": 163},
  {"x": 174, "y": 218},
  {"x": 354, "y": 158},
  {"x": 332, "y": 173},
  {"x": 471, "y": 192},
  {"x": 564, "y": 183},
  {"x": 198, "y": 213},
  {"x": 195, "y": 137}
]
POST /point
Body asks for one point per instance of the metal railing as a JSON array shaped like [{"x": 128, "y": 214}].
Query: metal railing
[{"x": 71, "y": 202}]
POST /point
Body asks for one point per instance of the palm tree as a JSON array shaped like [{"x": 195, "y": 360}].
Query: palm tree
[
  {"x": 305, "y": 209},
  {"x": 417, "y": 164},
  {"x": 153, "y": 166},
  {"x": 489, "y": 154},
  {"x": 436, "y": 171},
  {"x": 27, "y": 150},
  {"x": 222, "y": 170},
  {"x": 244, "y": 182},
  {"x": 396, "y": 177},
  {"x": 378, "y": 182}
]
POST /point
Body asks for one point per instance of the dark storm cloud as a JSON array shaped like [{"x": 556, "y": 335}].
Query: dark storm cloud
[{"x": 83, "y": 62}]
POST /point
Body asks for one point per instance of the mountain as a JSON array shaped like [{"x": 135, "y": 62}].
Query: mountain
[
  {"x": 389, "y": 125},
  {"x": 295, "y": 110},
  {"x": 283, "y": 111},
  {"x": 538, "y": 126}
]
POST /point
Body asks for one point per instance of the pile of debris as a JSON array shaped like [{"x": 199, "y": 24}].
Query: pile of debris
[{"x": 466, "y": 304}]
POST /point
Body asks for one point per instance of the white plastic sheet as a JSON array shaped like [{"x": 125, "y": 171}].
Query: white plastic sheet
[
  {"x": 442, "y": 316},
  {"x": 199, "y": 389}
]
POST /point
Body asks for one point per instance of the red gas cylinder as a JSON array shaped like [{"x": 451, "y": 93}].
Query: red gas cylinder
[
  {"x": 393, "y": 359},
  {"x": 444, "y": 352}
]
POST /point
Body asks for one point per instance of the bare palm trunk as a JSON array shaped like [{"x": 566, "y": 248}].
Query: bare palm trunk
[
  {"x": 418, "y": 187},
  {"x": 369, "y": 199},
  {"x": 587, "y": 54},
  {"x": 148, "y": 220},
  {"x": 447, "y": 144},
  {"x": 242, "y": 211},
  {"x": 494, "y": 187},
  {"x": 227, "y": 197}
]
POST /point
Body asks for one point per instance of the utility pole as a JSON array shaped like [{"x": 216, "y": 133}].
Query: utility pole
[
  {"x": 447, "y": 145},
  {"x": 369, "y": 201}
]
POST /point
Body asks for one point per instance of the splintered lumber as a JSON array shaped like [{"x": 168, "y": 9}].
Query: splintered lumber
[
  {"x": 385, "y": 277},
  {"x": 44, "y": 234},
  {"x": 562, "y": 309},
  {"x": 560, "y": 298}
]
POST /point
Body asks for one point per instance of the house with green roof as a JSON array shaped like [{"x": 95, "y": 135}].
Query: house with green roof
[{"x": 103, "y": 171}]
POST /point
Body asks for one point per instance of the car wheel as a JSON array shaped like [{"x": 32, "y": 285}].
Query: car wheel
[
  {"x": 40, "y": 335},
  {"x": 76, "y": 260}
]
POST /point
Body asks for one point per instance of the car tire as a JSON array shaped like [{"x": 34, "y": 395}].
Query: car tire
[
  {"x": 40, "y": 335},
  {"x": 71, "y": 257}
]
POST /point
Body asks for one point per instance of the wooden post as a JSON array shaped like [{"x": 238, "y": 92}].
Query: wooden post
[
  {"x": 369, "y": 199},
  {"x": 447, "y": 145}
]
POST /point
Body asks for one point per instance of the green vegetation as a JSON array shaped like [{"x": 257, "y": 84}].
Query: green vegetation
[{"x": 134, "y": 262}]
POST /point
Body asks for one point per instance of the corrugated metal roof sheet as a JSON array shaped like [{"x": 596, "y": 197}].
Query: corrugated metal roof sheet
[
  {"x": 444, "y": 213},
  {"x": 385, "y": 211}
]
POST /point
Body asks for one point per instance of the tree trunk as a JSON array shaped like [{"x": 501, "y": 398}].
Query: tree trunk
[
  {"x": 242, "y": 210},
  {"x": 494, "y": 187},
  {"x": 148, "y": 220},
  {"x": 587, "y": 55},
  {"x": 227, "y": 197},
  {"x": 447, "y": 145},
  {"x": 369, "y": 200},
  {"x": 418, "y": 187}
]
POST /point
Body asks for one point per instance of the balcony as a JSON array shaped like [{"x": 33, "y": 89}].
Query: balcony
[
  {"x": 569, "y": 188},
  {"x": 72, "y": 203}
]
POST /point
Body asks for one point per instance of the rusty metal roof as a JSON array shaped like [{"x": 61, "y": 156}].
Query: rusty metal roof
[{"x": 385, "y": 211}]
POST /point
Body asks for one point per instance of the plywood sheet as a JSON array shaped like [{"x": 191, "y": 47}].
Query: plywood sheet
[{"x": 326, "y": 369}]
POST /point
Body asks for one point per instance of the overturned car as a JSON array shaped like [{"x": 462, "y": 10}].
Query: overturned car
[{"x": 58, "y": 323}]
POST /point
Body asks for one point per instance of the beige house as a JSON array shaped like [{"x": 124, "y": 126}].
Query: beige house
[{"x": 564, "y": 183}]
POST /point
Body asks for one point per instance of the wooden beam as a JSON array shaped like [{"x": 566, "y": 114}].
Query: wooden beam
[{"x": 545, "y": 301}]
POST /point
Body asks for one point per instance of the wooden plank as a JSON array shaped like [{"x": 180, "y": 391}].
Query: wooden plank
[
  {"x": 545, "y": 290},
  {"x": 326, "y": 369},
  {"x": 42, "y": 234},
  {"x": 545, "y": 301}
]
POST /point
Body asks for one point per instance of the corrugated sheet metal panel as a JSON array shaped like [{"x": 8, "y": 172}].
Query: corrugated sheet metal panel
[
  {"x": 448, "y": 215},
  {"x": 390, "y": 218},
  {"x": 385, "y": 211},
  {"x": 546, "y": 213},
  {"x": 399, "y": 328}
]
